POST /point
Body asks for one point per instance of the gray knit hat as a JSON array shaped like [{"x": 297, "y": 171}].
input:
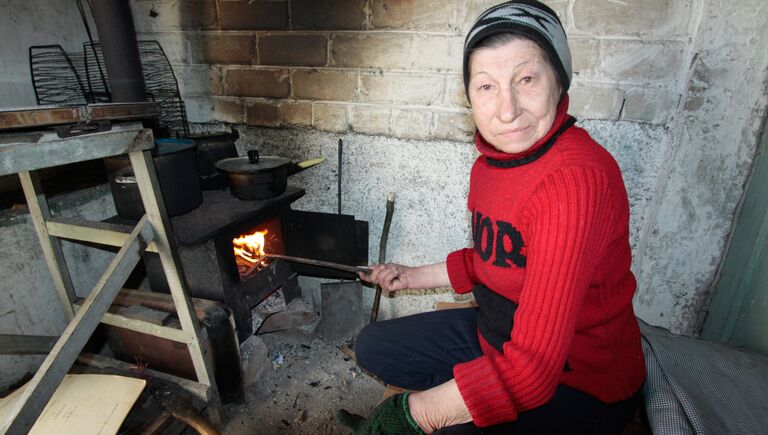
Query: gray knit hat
[{"x": 530, "y": 19}]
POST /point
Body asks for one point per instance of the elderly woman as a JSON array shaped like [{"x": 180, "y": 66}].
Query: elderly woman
[{"x": 554, "y": 346}]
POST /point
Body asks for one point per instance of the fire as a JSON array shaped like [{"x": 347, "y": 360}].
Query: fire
[{"x": 250, "y": 247}]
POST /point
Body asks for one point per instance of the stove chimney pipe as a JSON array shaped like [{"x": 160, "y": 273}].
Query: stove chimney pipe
[{"x": 117, "y": 35}]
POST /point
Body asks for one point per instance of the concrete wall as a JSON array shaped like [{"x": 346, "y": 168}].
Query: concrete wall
[
  {"x": 28, "y": 301},
  {"x": 675, "y": 89},
  {"x": 25, "y": 23}
]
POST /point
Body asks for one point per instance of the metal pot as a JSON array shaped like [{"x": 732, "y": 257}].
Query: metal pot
[
  {"x": 212, "y": 147},
  {"x": 176, "y": 167},
  {"x": 260, "y": 177}
]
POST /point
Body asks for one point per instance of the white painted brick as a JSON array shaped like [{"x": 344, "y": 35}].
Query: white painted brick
[
  {"x": 330, "y": 117},
  {"x": 594, "y": 101},
  {"x": 199, "y": 109},
  {"x": 454, "y": 126},
  {"x": 405, "y": 88},
  {"x": 457, "y": 96},
  {"x": 650, "y": 105},
  {"x": 371, "y": 119},
  {"x": 414, "y": 15},
  {"x": 657, "y": 18},
  {"x": 198, "y": 80},
  {"x": 641, "y": 61},
  {"x": 412, "y": 124}
]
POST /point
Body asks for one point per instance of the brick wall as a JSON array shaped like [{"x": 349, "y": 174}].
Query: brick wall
[{"x": 392, "y": 67}]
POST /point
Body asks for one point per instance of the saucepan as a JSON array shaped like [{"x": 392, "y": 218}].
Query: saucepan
[{"x": 261, "y": 177}]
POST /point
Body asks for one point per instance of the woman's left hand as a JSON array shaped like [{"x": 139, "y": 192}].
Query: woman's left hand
[{"x": 439, "y": 407}]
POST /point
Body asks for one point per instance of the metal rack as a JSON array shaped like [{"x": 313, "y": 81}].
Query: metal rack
[{"x": 39, "y": 150}]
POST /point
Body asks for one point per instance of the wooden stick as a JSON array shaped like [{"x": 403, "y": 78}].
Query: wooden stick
[{"x": 383, "y": 252}]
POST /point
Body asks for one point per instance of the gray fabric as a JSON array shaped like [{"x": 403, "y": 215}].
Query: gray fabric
[{"x": 701, "y": 387}]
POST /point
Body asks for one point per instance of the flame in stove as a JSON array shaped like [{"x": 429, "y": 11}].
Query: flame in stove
[{"x": 250, "y": 247}]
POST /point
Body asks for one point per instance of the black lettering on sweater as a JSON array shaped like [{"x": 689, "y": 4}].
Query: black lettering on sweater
[
  {"x": 491, "y": 239},
  {"x": 483, "y": 235}
]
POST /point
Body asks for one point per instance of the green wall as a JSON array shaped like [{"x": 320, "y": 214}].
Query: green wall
[{"x": 738, "y": 311}]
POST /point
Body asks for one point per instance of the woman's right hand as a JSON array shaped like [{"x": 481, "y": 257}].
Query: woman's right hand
[{"x": 391, "y": 277}]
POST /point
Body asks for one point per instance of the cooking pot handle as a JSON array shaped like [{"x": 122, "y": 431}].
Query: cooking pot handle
[
  {"x": 253, "y": 156},
  {"x": 306, "y": 164}
]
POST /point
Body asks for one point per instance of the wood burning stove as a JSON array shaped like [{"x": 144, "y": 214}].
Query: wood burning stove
[{"x": 205, "y": 243}]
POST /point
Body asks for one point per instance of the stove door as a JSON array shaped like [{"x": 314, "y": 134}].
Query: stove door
[{"x": 328, "y": 237}]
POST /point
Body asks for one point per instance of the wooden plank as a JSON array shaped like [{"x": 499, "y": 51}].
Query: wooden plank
[
  {"x": 454, "y": 305},
  {"x": 101, "y": 233},
  {"x": 25, "y": 344},
  {"x": 146, "y": 179},
  {"x": 142, "y": 326},
  {"x": 197, "y": 389},
  {"x": 50, "y": 150},
  {"x": 51, "y": 247},
  {"x": 31, "y": 402}
]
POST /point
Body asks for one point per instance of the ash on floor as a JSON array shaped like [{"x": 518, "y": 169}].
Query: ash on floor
[{"x": 298, "y": 386}]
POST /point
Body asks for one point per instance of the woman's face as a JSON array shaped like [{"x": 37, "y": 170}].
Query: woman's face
[{"x": 514, "y": 93}]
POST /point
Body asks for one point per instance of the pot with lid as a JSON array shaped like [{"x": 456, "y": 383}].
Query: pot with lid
[
  {"x": 212, "y": 147},
  {"x": 176, "y": 168},
  {"x": 261, "y": 177}
]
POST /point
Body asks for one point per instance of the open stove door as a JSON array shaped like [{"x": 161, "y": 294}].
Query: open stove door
[{"x": 324, "y": 236}]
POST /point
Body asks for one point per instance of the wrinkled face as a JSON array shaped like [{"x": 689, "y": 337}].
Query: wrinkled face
[{"x": 514, "y": 93}]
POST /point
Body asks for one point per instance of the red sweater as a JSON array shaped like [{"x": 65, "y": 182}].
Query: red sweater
[{"x": 551, "y": 230}]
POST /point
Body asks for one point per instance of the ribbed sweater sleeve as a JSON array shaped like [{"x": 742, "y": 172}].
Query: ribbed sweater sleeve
[
  {"x": 568, "y": 223},
  {"x": 460, "y": 271}
]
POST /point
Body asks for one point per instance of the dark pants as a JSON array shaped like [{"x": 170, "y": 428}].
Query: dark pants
[{"x": 418, "y": 352}]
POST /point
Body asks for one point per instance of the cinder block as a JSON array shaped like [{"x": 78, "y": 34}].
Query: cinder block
[
  {"x": 330, "y": 117},
  {"x": 658, "y": 18},
  {"x": 655, "y": 106},
  {"x": 152, "y": 16},
  {"x": 223, "y": 48},
  {"x": 454, "y": 126},
  {"x": 253, "y": 15},
  {"x": 323, "y": 84},
  {"x": 295, "y": 113},
  {"x": 412, "y": 124},
  {"x": 250, "y": 82},
  {"x": 261, "y": 113},
  {"x": 371, "y": 119},
  {"x": 435, "y": 16},
  {"x": 293, "y": 49},
  {"x": 199, "y": 109},
  {"x": 594, "y": 101},
  {"x": 457, "y": 96},
  {"x": 328, "y": 14},
  {"x": 402, "y": 87},
  {"x": 228, "y": 110},
  {"x": 361, "y": 50},
  {"x": 198, "y": 80},
  {"x": 443, "y": 53},
  {"x": 641, "y": 61},
  {"x": 584, "y": 56},
  {"x": 397, "y": 51}
]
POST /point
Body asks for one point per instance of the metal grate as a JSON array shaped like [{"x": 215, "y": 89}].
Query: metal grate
[
  {"x": 81, "y": 78},
  {"x": 55, "y": 75}
]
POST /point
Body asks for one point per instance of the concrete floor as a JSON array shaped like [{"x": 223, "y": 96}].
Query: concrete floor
[{"x": 302, "y": 394}]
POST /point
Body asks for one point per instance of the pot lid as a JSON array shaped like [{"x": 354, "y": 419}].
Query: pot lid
[{"x": 253, "y": 164}]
